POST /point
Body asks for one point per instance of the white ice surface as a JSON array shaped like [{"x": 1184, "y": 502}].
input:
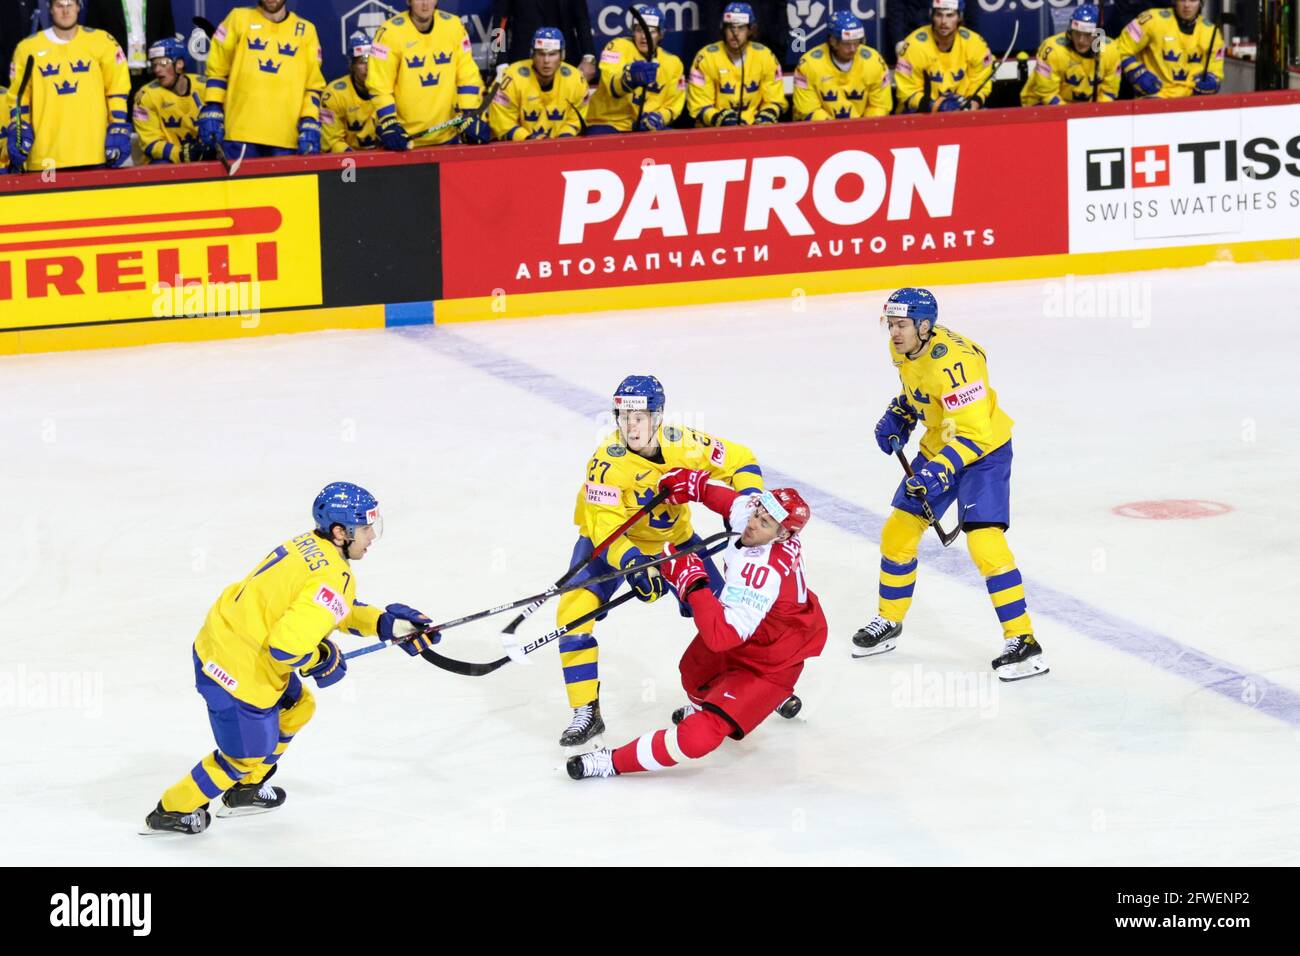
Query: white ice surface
[{"x": 139, "y": 482}]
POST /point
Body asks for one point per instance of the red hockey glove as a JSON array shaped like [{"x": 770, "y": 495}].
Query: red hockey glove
[
  {"x": 683, "y": 485},
  {"x": 685, "y": 573}
]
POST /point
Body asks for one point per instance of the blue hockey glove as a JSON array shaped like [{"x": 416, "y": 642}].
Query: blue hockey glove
[
  {"x": 929, "y": 482},
  {"x": 1207, "y": 84},
  {"x": 951, "y": 101},
  {"x": 308, "y": 136},
  {"x": 404, "y": 626},
  {"x": 1143, "y": 80},
  {"x": 117, "y": 144},
  {"x": 331, "y": 668},
  {"x": 20, "y": 138},
  {"x": 726, "y": 118},
  {"x": 895, "y": 426},
  {"x": 639, "y": 73},
  {"x": 648, "y": 584},
  {"x": 766, "y": 115},
  {"x": 476, "y": 130},
  {"x": 650, "y": 122},
  {"x": 392, "y": 135},
  {"x": 212, "y": 125}
]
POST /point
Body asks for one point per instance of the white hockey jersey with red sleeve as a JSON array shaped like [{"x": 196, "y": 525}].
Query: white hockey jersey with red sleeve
[{"x": 766, "y": 619}]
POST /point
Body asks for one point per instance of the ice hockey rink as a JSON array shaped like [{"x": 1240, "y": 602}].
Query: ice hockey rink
[{"x": 140, "y": 482}]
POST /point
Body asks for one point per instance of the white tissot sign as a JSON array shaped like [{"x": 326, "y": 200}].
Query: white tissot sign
[{"x": 1188, "y": 178}]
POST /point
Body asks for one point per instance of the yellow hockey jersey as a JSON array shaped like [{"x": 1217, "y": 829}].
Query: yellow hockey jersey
[
  {"x": 613, "y": 105},
  {"x": 77, "y": 85},
  {"x": 4, "y": 128},
  {"x": 962, "y": 70},
  {"x": 521, "y": 106},
  {"x": 347, "y": 118},
  {"x": 822, "y": 91},
  {"x": 618, "y": 482},
  {"x": 264, "y": 627},
  {"x": 1177, "y": 58},
  {"x": 425, "y": 78},
  {"x": 716, "y": 83},
  {"x": 948, "y": 385},
  {"x": 266, "y": 74},
  {"x": 1063, "y": 75},
  {"x": 164, "y": 120}
]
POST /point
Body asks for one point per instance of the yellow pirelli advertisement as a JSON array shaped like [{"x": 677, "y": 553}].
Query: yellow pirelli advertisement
[{"x": 158, "y": 252}]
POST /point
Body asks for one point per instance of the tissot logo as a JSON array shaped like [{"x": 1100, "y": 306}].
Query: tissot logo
[{"x": 1198, "y": 163}]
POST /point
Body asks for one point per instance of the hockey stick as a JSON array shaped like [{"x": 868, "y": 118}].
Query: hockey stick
[
  {"x": 946, "y": 537},
  {"x": 596, "y": 552},
  {"x": 1219, "y": 21},
  {"x": 16, "y": 167},
  {"x": 650, "y": 54},
  {"x": 1098, "y": 42},
  {"x": 1015, "y": 32},
  {"x": 469, "y": 669},
  {"x": 550, "y": 592}
]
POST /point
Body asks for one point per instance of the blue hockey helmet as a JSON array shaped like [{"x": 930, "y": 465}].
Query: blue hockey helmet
[
  {"x": 845, "y": 26},
  {"x": 915, "y": 304},
  {"x": 639, "y": 393},
  {"x": 359, "y": 44},
  {"x": 1085, "y": 18},
  {"x": 548, "y": 40},
  {"x": 948, "y": 6},
  {"x": 738, "y": 14},
  {"x": 346, "y": 504},
  {"x": 652, "y": 14},
  {"x": 168, "y": 48}
]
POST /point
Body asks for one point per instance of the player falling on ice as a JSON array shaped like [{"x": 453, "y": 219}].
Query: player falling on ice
[
  {"x": 260, "y": 635},
  {"x": 622, "y": 476},
  {"x": 965, "y": 458},
  {"x": 751, "y": 641}
]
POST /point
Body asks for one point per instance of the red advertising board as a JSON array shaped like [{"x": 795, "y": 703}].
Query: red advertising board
[{"x": 699, "y": 206}]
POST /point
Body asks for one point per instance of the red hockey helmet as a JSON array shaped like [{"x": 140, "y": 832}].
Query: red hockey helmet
[{"x": 788, "y": 508}]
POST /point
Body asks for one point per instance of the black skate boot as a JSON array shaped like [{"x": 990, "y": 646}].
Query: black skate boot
[
  {"x": 681, "y": 713},
  {"x": 1021, "y": 657},
  {"x": 596, "y": 763},
  {"x": 166, "y": 821},
  {"x": 878, "y": 636},
  {"x": 245, "y": 799},
  {"x": 586, "y": 723},
  {"x": 790, "y": 709}
]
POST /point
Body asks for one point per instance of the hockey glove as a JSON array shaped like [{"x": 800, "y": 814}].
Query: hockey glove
[
  {"x": 639, "y": 73},
  {"x": 766, "y": 115},
  {"x": 950, "y": 102},
  {"x": 683, "y": 485},
  {"x": 331, "y": 668},
  {"x": 685, "y": 573},
  {"x": 929, "y": 482},
  {"x": 308, "y": 136},
  {"x": 117, "y": 145},
  {"x": 392, "y": 135},
  {"x": 650, "y": 122},
  {"x": 726, "y": 118},
  {"x": 20, "y": 137},
  {"x": 895, "y": 426},
  {"x": 476, "y": 130},
  {"x": 1207, "y": 84},
  {"x": 212, "y": 125},
  {"x": 1143, "y": 80},
  {"x": 648, "y": 584},
  {"x": 540, "y": 133}
]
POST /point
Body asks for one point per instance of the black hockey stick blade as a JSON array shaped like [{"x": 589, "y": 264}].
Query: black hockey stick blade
[{"x": 206, "y": 25}]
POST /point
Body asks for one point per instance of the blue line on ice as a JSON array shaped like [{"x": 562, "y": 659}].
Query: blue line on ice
[{"x": 1155, "y": 648}]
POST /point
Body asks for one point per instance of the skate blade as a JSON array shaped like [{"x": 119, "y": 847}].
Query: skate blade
[
  {"x": 1034, "y": 667},
  {"x": 224, "y": 811},
  {"x": 577, "y": 750},
  {"x": 885, "y": 645}
]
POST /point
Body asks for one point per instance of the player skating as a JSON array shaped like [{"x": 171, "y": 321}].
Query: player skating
[
  {"x": 262, "y": 633},
  {"x": 622, "y": 476},
  {"x": 752, "y": 640},
  {"x": 965, "y": 458}
]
